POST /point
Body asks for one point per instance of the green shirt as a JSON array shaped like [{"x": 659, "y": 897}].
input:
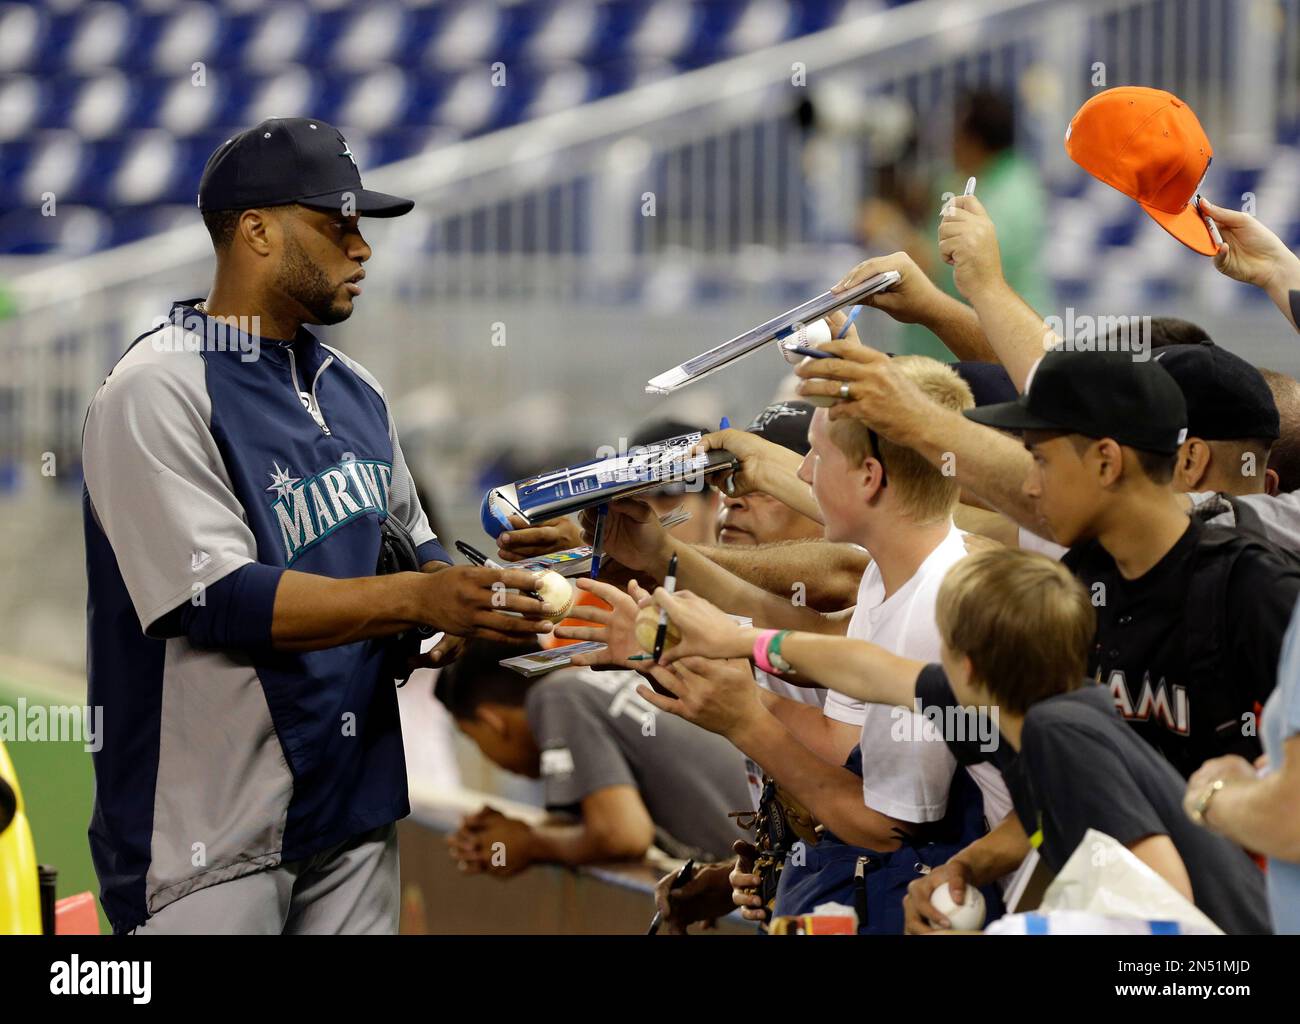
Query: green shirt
[{"x": 1012, "y": 191}]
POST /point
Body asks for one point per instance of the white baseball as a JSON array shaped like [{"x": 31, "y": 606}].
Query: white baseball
[
  {"x": 965, "y": 917},
  {"x": 556, "y": 594}
]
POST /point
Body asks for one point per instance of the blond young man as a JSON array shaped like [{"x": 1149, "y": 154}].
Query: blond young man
[
  {"x": 1010, "y": 688},
  {"x": 891, "y": 502}
]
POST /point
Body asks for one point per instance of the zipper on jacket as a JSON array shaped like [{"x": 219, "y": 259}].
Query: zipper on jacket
[{"x": 308, "y": 398}]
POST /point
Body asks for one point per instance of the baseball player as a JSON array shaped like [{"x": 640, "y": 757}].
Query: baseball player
[{"x": 237, "y": 473}]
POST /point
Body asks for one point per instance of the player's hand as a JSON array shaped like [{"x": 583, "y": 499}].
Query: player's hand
[
  {"x": 706, "y": 630},
  {"x": 919, "y": 914},
  {"x": 744, "y": 882},
  {"x": 914, "y": 300},
  {"x": 759, "y": 459},
  {"x": 633, "y": 536},
  {"x": 492, "y": 843},
  {"x": 968, "y": 241},
  {"x": 1250, "y": 251},
  {"x": 879, "y": 395},
  {"x": 615, "y": 626},
  {"x": 470, "y": 600},
  {"x": 524, "y": 541},
  {"x": 705, "y": 898},
  {"x": 720, "y": 696}
]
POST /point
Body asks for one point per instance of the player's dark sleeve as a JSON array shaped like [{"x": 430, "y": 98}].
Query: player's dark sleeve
[
  {"x": 1080, "y": 781},
  {"x": 934, "y": 691},
  {"x": 234, "y": 613},
  {"x": 1262, "y": 594}
]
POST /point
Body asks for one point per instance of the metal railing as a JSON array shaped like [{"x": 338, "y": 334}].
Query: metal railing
[{"x": 556, "y": 228}]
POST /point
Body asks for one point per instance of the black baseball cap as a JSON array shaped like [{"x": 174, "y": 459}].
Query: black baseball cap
[
  {"x": 1227, "y": 398},
  {"x": 291, "y": 160},
  {"x": 1097, "y": 394},
  {"x": 786, "y": 424}
]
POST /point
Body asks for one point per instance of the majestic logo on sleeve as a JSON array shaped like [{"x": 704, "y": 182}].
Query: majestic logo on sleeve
[{"x": 308, "y": 510}]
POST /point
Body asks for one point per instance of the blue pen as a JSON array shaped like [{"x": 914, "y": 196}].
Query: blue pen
[
  {"x": 724, "y": 424},
  {"x": 811, "y": 353},
  {"x": 853, "y": 315},
  {"x": 598, "y": 539}
]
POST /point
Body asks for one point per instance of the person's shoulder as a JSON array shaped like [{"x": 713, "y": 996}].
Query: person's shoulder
[
  {"x": 1086, "y": 710},
  {"x": 1251, "y": 557},
  {"x": 346, "y": 360},
  {"x": 159, "y": 365},
  {"x": 929, "y": 577}
]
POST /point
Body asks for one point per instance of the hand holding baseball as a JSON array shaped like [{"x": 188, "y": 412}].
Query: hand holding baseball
[
  {"x": 706, "y": 631},
  {"x": 473, "y": 600},
  {"x": 868, "y": 389},
  {"x": 614, "y": 626}
]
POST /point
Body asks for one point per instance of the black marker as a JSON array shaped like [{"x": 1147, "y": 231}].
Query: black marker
[
  {"x": 670, "y": 584},
  {"x": 683, "y": 876},
  {"x": 476, "y": 556}
]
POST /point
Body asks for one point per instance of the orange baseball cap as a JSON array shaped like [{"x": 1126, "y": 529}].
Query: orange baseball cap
[{"x": 1148, "y": 144}]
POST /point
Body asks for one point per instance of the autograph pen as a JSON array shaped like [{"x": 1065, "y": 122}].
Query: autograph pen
[{"x": 670, "y": 584}]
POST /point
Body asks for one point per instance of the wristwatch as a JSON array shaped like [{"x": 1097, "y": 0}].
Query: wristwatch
[{"x": 1203, "y": 804}]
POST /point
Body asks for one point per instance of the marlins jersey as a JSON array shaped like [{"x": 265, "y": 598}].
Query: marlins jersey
[
  {"x": 204, "y": 454},
  {"x": 1189, "y": 650}
]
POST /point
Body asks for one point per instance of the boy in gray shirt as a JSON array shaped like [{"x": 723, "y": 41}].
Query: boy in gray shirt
[{"x": 617, "y": 776}]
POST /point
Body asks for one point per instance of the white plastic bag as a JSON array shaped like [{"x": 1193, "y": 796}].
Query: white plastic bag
[{"x": 1104, "y": 880}]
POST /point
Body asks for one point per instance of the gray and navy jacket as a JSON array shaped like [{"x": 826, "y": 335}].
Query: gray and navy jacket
[{"x": 207, "y": 474}]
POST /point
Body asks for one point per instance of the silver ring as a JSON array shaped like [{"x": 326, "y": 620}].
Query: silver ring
[{"x": 844, "y": 390}]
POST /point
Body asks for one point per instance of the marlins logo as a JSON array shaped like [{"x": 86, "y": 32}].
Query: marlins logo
[
  {"x": 311, "y": 509},
  {"x": 775, "y": 412}
]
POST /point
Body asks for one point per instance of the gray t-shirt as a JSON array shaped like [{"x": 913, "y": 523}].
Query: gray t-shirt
[{"x": 595, "y": 730}]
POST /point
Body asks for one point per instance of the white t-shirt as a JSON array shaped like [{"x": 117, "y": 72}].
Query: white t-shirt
[
  {"x": 811, "y": 695},
  {"x": 1030, "y": 541},
  {"x": 907, "y": 768}
]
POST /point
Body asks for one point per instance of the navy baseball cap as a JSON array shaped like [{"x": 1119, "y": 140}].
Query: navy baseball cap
[
  {"x": 1227, "y": 398},
  {"x": 989, "y": 383},
  {"x": 291, "y": 160},
  {"x": 1097, "y": 394}
]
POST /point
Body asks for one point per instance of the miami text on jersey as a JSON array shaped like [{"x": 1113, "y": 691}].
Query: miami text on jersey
[{"x": 1166, "y": 704}]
